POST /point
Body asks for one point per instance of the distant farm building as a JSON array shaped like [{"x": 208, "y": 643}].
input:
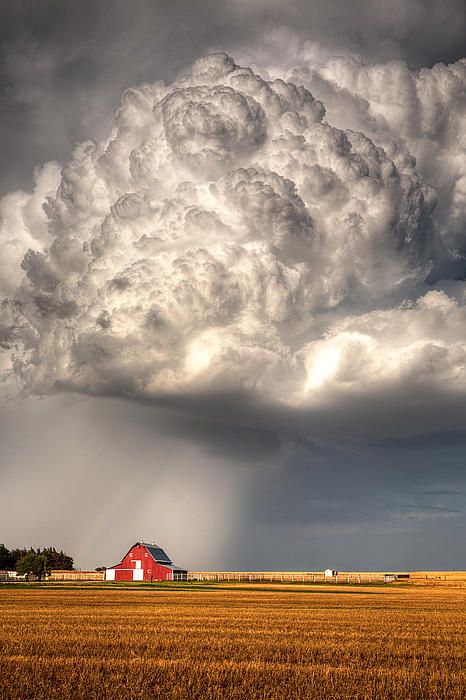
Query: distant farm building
[{"x": 146, "y": 562}]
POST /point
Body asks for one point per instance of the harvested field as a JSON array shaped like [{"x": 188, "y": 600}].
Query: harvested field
[{"x": 234, "y": 642}]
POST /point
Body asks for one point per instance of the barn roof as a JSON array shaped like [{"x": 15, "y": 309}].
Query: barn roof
[
  {"x": 173, "y": 567},
  {"x": 157, "y": 553}
]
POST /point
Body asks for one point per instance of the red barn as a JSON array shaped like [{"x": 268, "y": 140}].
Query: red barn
[{"x": 145, "y": 562}]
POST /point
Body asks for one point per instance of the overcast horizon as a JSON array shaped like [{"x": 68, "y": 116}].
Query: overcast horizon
[{"x": 232, "y": 282}]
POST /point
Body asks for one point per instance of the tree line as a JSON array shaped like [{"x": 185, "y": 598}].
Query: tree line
[{"x": 36, "y": 562}]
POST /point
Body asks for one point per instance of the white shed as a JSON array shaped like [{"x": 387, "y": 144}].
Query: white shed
[{"x": 330, "y": 573}]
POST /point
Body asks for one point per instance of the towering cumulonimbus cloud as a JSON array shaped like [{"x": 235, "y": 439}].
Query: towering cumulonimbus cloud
[
  {"x": 421, "y": 113},
  {"x": 228, "y": 238}
]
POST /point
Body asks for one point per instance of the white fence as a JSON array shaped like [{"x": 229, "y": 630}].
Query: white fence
[
  {"x": 286, "y": 577},
  {"x": 11, "y": 576}
]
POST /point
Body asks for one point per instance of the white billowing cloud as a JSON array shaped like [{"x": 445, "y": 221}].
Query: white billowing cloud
[
  {"x": 23, "y": 225},
  {"x": 417, "y": 112},
  {"x": 227, "y": 237},
  {"x": 422, "y": 343}
]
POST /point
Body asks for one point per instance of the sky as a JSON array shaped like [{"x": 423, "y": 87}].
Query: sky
[{"x": 232, "y": 282}]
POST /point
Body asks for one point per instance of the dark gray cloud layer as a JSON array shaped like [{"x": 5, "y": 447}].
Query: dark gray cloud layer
[{"x": 100, "y": 474}]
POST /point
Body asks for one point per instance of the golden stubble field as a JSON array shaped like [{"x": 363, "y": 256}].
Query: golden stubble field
[{"x": 233, "y": 642}]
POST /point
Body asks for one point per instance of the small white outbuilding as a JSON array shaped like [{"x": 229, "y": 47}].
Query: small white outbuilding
[{"x": 330, "y": 573}]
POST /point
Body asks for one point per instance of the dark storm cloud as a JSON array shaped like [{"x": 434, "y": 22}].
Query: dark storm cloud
[
  {"x": 242, "y": 441},
  {"x": 409, "y": 416},
  {"x": 81, "y": 465},
  {"x": 63, "y": 65},
  {"x": 355, "y": 509},
  {"x": 307, "y": 505}
]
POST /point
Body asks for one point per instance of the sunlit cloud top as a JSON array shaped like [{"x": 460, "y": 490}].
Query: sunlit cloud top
[{"x": 269, "y": 239}]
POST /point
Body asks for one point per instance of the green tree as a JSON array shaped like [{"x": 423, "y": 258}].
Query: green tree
[
  {"x": 57, "y": 560},
  {"x": 7, "y": 560},
  {"x": 33, "y": 563},
  {"x": 18, "y": 553}
]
